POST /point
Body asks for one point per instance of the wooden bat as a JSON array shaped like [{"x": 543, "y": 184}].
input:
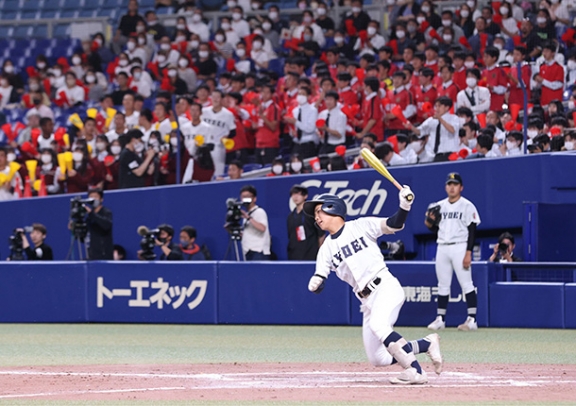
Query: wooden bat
[{"x": 375, "y": 163}]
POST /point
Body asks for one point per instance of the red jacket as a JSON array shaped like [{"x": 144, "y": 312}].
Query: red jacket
[
  {"x": 516, "y": 95},
  {"x": 401, "y": 98},
  {"x": 450, "y": 91},
  {"x": 497, "y": 81},
  {"x": 422, "y": 97},
  {"x": 553, "y": 76},
  {"x": 372, "y": 109}
]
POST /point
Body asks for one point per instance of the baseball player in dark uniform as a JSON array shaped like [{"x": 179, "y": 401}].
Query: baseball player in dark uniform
[
  {"x": 304, "y": 238},
  {"x": 454, "y": 219},
  {"x": 351, "y": 251}
]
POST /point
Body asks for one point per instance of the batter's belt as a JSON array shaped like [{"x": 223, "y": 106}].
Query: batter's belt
[
  {"x": 452, "y": 243},
  {"x": 370, "y": 287}
]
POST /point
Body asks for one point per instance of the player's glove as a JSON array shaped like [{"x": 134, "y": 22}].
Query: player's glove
[
  {"x": 433, "y": 215},
  {"x": 406, "y": 197},
  {"x": 316, "y": 283}
]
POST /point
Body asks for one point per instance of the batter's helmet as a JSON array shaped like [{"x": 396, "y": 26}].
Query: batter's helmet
[{"x": 331, "y": 204}]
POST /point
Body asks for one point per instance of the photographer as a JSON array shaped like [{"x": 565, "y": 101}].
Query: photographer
[
  {"x": 170, "y": 251},
  {"x": 503, "y": 251},
  {"x": 99, "y": 224},
  {"x": 190, "y": 250},
  {"x": 40, "y": 251},
  {"x": 256, "y": 236},
  {"x": 132, "y": 167}
]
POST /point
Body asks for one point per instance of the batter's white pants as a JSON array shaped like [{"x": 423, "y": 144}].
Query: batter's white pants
[
  {"x": 380, "y": 312},
  {"x": 448, "y": 258}
]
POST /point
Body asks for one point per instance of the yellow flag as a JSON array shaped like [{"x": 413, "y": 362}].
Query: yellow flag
[
  {"x": 37, "y": 184},
  {"x": 76, "y": 121},
  {"x": 3, "y": 178},
  {"x": 92, "y": 113},
  {"x": 69, "y": 160},
  {"x": 14, "y": 167},
  {"x": 228, "y": 143},
  {"x": 66, "y": 139}
]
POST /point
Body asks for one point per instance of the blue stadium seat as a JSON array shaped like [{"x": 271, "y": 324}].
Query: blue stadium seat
[
  {"x": 11, "y": 5},
  {"x": 61, "y": 31},
  {"x": 72, "y": 5},
  {"x": 91, "y": 5},
  {"x": 86, "y": 13},
  {"x": 48, "y": 13},
  {"x": 40, "y": 31},
  {"x": 52, "y": 4},
  {"x": 68, "y": 14},
  {"x": 21, "y": 31},
  {"x": 146, "y": 3},
  {"x": 111, "y": 4},
  {"x": 31, "y": 5},
  {"x": 107, "y": 12},
  {"x": 9, "y": 15},
  {"x": 29, "y": 15},
  {"x": 251, "y": 167},
  {"x": 165, "y": 10}
]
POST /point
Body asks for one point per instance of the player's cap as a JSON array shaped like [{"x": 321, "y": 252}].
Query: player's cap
[
  {"x": 454, "y": 177},
  {"x": 331, "y": 204}
]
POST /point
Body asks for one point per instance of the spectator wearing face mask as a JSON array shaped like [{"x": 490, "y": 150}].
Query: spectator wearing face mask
[
  {"x": 139, "y": 84},
  {"x": 132, "y": 167},
  {"x": 304, "y": 118},
  {"x": 13, "y": 77},
  {"x": 8, "y": 94},
  {"x": 80, "y": 177},
  {"x": 277, "y": 168},
  {"x": 190, "y": 250},
  {"x": 71, "y": 94},
  {"x": 239, "y": 24},
  {"x": 36, "y": 97},
  {"x": 474, "y": 97},
  {"x": 359, "y": 18},
  {"x": 198, "y": 26},
  {"x": 495, "y": 78},
  {"x": 333, "y": 133},
  {"x": 513, "y": 144},
  {"x": 569, "y": 142},
  {"x": 550, "y": 77},
  {"x": 50, "y": 170}
]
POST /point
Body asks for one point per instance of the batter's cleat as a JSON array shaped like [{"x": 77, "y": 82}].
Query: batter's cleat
[
  {"x": 437, "y": 324},
  {"x": 434, "y": 352},
  {"x": 469, "y": 325},
  {"x": 410, "y": 377}
]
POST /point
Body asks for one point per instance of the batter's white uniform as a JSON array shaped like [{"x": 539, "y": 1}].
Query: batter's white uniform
[
  {"x": 452, "y": 242},
  {"x": 223, "y": 123},
  {"x": 353, "y": 254}
]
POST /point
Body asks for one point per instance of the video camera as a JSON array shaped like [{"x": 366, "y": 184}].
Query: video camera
[
  {"x": 393, "y": 250},
  {"x": 234, "y": 216},
  {"x": 16, "y": 244},
  {"x": 148, "y": 242},
  {"x": 502, "y": 249},
  {"x": 78, "y": 214}
]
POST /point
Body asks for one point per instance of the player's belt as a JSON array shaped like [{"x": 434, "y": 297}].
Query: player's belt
[
  {"x": 371, "y": 287},
  {"x": 452, "y": 243}
]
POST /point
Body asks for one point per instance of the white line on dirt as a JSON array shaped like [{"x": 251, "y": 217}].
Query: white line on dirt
[{"x": 88, "y": 392}]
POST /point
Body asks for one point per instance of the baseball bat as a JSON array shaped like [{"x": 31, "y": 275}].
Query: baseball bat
[{"x": 375, "y": 163}]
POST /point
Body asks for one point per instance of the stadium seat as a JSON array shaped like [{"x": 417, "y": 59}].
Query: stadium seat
[
  {"x": 48, "y": 13},
  {"x": 10, "y": 15},
  {"x": 5, "y": 31},
  {"x": 252, "y": 167},
  {"x": 61, "y": 31},
  {"x": 40, "y": 31},
  {"x": 72, "y": 4},
  {"x": 68, "y": 14},
  {"x": 165, "y": 10},
  {"x": 31, "y": 5},
  {"x": 86, "y": 13},
  {"x": 111, "y": 4},
  {"x": 11, "y": 5},
  {"x": 29, "y": 15},
  {"x": 21, "y": 31},
  {"x": 52, "y": 4},
  {"x": 146, "y": 3},
  {"x": 107, "y": 12}
]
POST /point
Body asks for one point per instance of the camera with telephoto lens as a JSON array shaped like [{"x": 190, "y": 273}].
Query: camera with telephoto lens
[
  {"x": 16, "y": 244},
  {"x": 234, "y": 216},
  {"x": 148, "y": 242},
  {"x": 502, "y": 249},
  {"x": 393, "y": 250},
  {"x": 78, "y": 214}
]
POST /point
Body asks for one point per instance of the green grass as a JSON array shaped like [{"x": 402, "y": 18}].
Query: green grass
[{"x": 82, "y": 344}]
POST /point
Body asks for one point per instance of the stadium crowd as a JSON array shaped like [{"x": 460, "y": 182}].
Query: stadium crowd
[{"x": 275, "y": 91}]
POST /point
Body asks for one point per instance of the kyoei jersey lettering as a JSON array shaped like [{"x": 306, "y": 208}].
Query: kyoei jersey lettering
[
  {"x": 354, "y": 254},
  {"x": 456, "y": 217},
  {"x": 359, "y": 201}
]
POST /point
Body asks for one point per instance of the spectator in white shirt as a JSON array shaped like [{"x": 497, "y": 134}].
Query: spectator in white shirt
[
  {"x": 373, "y": 42},
  {"x": 388, "y": 156},
  {"x": 258, "y": 54},
  {"x": 162, "y": 114},
  {"x": 476, "y": 98},
  {"x": 308, "y": 21},
  {"x": 404, "y": 149},
  {"x": 231, "y": 36},
  {"x": 74, "y": 94},
  {"x": 139, "y": 82},
  {"x": 442, "y": 128},
  {"x": 119, "y": 127},
  {"x": 513, "y": 144},
  {"x": 304, "y": 119},
  {"x": 239, "y": 25},
  {"x": 198, "y": 26},
  {"x": 145, "y": 124},
  {"x": 172, "y": 55},
  {"x": 134, "y": 50},
  {"x": 333, "y": 132}
]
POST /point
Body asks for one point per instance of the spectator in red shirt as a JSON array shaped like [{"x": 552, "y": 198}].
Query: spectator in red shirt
[
  {"x": 79, "y": 178},
  {"x": 348, "y": 97},
  {"x": 516, "y": 95},
  {"x": 426, "y": 93},
  {"x": 267, "y": 127},
  {"x": 398, "y": 97},
  {"x": 496, "y": 80},
  {"x": 372, "y": 113},
  {"x": 551, "y": 76},
  {"x": 448, "y": 88},
  {"x": 459, "y": 76}
]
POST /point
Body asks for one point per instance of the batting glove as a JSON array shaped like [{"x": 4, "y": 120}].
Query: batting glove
[
  {"x": 406, "y": 197},
  {"x": 316, "y": 284}
]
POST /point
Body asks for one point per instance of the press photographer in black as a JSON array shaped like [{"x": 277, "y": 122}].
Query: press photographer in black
[
  {"x": 162, "y": 237},
  {"x": 504, "y": 250},
  {"x": 99, "y": 224},
  {"x": 40, "y": 251}
]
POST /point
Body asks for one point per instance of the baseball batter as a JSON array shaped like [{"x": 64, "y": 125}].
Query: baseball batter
[
  {"x": 455, "y": 219},
  {"x": 351, "y": 251}
]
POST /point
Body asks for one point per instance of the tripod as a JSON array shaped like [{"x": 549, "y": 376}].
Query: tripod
[
  {"x": 235, "y": 243},
  {"x": 79, "y": 232}
]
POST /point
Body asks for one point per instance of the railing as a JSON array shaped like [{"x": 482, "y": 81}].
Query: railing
[
  {"x": 52, "y": 22},
  {"x": 539, "y": 272}
]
